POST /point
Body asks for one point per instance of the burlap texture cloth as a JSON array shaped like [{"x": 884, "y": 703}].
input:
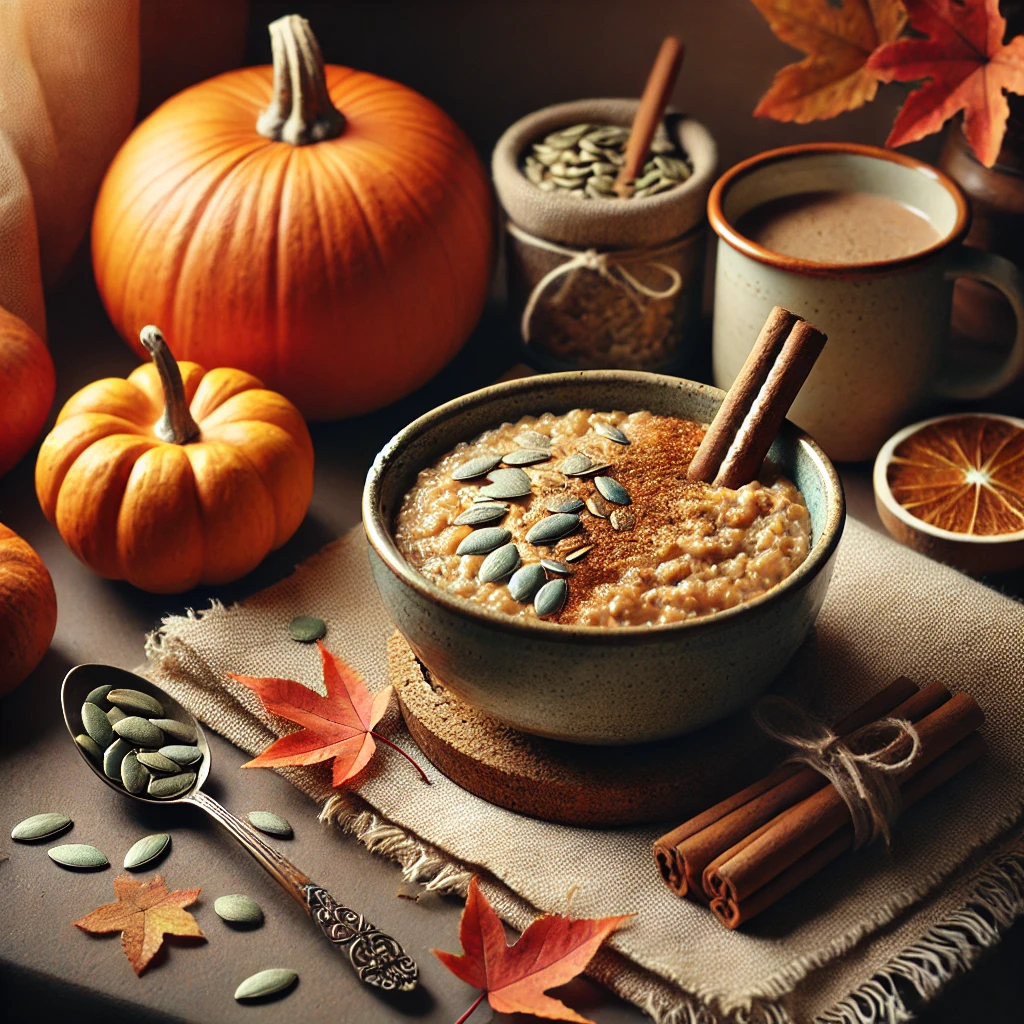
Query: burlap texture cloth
[{"x": 847, "y": 946}]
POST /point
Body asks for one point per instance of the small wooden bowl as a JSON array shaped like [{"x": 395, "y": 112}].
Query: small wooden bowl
[{"x": 971, "y": 553}]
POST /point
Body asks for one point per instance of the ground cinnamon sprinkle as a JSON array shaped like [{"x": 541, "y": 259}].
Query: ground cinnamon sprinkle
[{"x": 694, "y": 549}]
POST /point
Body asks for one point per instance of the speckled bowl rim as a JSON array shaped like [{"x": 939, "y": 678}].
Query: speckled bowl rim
[{"x": 379, "y": 534}]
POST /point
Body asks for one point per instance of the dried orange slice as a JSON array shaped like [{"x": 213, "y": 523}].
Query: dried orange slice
[{"x": 953, "y": 487}]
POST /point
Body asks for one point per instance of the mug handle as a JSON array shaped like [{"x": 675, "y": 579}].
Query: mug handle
[{"x": 1004, "y": 275}]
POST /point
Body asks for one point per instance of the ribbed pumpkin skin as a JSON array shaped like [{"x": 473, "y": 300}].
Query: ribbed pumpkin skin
[
  {"x": 344, "y": 273},
  {"x": 28, "y": 609},
  {"x": 27, "y": 384},
  {"x": 168, "y": 517}
]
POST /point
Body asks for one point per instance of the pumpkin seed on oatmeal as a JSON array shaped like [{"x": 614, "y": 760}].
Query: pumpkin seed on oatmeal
[{"x": 646, "y": 546}]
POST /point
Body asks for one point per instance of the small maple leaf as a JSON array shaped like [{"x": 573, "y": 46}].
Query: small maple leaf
[
  {"x": 338, "y": 726},
  {"x": 838, "y": 36},
  {"x": 144, "y": 913},
  {"x": 966, "y": 65},
  {"x": 551, "y": 952}
]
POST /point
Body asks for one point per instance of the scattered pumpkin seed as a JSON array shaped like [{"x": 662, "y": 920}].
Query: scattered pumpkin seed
[
  {"x": 597, "y": 506},
  {"x": 479, "y": 515},
  {"x": 156, "y": 762},
  {"x": 558, "y": 568},
  {"x": 480, "y": 542},
  {"x": 622, "y": 520},
  {"x": 525, "y": 582},
  {"x": 266, "y": 983},
  {"x": 307, "y": 628},
  {"x": 168, "y": 786},
  {"x": 551, "y": 597},
  {"x": 611, "y": 490},
  {"x": 533, "y": 439},
  {"x": 611, "y": 432},
  {"x": 139, "y": 731},
  {"x": 134, "y": 776},
  {"x": 271, "y": 823},
  {"x": 577, "y": 553},
  {"x": 98, "y": 695},
  {"x": 553, "y": 528},
  {"x": 183, "y": 732},
  {"x": 507, "y": 483},
  {"x": 499, "y": 564},
  {"x": 113, "y": 756},
  {"x": 77, "y": 855},
  {"x": 476, "y": 467},
  {"x": 576, "y": 464},
  {"x": 96, "y": 724},
  {"x": 90, "y": 746},
  {"x": 181, "y": 754},
  {"x": 526, "y": 456},
  {"x": 115, "y": 714},
  {"x": 146, "y": 850},
  {"x": 238, "y": 909},
  {"x": 41, "y": 826},
  {"x": 135, "y": 700},
  {"x": 564, "y": 504}
]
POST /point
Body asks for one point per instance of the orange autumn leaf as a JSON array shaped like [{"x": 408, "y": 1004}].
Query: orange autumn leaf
[
  {"x": 838, "y": 38},
  {"x": 966, "y": 67},
  {"x": 338, "y": 726},
  {"x": 144, "y": 913},
  {"x": 551, "y": 952}
]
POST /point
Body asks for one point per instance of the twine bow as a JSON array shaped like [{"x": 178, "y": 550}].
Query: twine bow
[
  {"x": 609, "y": 264},
  {"x": 864, "y": 767}
]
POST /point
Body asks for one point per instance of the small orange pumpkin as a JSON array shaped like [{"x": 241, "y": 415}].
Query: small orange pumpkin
[
  {"x": 28, "y": 609},
  {"x": 324, "y": 228},
  {"x": 27, "y": 384},
  {"x": 176, "y": 476}
]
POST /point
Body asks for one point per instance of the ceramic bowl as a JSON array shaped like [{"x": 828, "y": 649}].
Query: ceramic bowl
[{"x": 589, "y": 684}]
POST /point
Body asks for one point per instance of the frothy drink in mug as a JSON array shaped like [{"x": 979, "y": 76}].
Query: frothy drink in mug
[{"x": 865, "y": 243}]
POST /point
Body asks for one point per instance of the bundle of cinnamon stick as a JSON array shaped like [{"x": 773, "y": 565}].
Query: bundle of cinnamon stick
[{"x": 751, "y": 849}]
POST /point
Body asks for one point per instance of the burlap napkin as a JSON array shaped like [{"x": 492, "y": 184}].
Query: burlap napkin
[{"x": 834, "y": 950}]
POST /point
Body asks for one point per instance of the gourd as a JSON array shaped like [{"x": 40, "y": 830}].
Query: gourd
[
  {"x": 323, "y": 228},
  {"x": 175, "y": 476},
  {"x": 28, "y": 609},
  {"x": 27, "y": 385}
]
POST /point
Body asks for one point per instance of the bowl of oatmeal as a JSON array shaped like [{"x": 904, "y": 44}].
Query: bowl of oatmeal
[{"x": 541, "y": 549}]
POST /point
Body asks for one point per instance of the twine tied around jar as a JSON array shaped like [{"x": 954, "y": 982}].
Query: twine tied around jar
[
  {"x": 609, "y": 264},
  {"x": 864, "y": 766}
]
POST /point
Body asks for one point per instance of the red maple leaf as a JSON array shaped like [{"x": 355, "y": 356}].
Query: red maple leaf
[
  {"x": 551, "y": 952},
  {"x": 966, "y": 66},
  {"x": 338, "y": 726}
]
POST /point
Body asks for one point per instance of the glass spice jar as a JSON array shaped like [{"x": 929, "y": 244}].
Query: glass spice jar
[{"x": 603, "y": 282}]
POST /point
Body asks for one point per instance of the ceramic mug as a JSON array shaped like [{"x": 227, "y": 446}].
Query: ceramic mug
[{"x": 887, "y": 321}]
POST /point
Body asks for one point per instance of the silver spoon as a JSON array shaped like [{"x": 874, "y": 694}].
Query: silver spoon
[{"x": 378, "y": 959}]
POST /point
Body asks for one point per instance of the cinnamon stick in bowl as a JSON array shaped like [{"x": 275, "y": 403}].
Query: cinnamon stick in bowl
[{"x": 756, "y": 405}]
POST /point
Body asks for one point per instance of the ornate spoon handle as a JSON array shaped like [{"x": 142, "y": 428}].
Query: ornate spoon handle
[{"x": 378, "y": 959}]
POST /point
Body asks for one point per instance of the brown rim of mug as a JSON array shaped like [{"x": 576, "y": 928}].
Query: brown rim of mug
[{"x": 811, "y": 268}]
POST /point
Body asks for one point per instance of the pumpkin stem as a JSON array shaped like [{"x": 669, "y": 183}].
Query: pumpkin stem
[
  {"x": 300, "y": 110},
  {"x": 176, "y": 426}
]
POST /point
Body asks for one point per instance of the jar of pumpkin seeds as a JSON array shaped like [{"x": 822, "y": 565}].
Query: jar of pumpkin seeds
[{"x": 599, "y": 281}]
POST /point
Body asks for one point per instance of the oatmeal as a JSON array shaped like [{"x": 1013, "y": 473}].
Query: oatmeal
[{"x": 587, "y": 518}]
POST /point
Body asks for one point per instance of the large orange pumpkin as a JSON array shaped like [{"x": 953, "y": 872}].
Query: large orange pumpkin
[
  {"x": 28, "y": 609},
  {"x": 26, "y": 388},
  {"x": 175, "y": 476},
  {"x": 325, "y": 229}
]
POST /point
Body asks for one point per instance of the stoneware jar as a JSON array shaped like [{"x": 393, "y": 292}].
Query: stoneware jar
[
  {"x": 591, "y": 684},
  {"x": 888, "y": 321},
  {"x": 604, "y": 282}
]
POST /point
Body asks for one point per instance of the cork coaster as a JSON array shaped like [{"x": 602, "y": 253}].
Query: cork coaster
[{"x": 583, "y": 785}]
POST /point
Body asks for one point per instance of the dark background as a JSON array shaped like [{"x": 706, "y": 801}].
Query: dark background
[{"x": 487, "y": 63}]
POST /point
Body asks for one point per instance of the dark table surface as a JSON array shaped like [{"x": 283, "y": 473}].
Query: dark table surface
[{"x": 52, "y": 971}]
